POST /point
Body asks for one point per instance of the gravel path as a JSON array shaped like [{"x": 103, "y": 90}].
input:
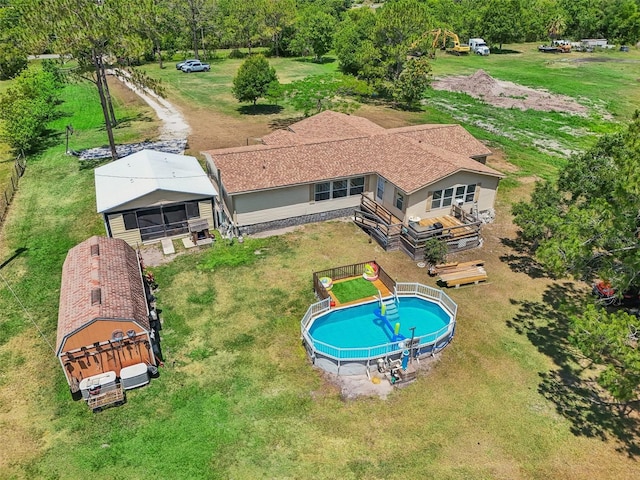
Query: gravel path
[{"x": 173, "y": 132}]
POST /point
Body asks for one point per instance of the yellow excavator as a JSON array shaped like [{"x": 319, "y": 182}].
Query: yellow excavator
[{"x": 440, "y": 38}]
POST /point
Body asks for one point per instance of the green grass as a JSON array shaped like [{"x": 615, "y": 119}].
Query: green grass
[
  {"x": 213, "y": 89},
  {"x": 238, "y": 397},
  {"x": 355, "y": 289}
]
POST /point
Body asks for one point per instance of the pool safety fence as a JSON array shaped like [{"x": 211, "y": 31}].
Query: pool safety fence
[
  {"x": 428, "y": 344},
  {"x": 348, "y": 271},
  {"x": 424, "y": 291}
]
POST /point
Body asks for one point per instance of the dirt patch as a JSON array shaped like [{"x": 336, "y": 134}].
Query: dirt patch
[
  {"x": 211, "y": 130},
  {"x": 355, "y": 386},
  {"x": 498, "y": 160},
  {"x": 508, "y": 94},
  {"x": 152, "y": 255}
]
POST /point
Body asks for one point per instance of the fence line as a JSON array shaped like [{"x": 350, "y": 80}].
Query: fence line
[{"x": 18, "y": 169}]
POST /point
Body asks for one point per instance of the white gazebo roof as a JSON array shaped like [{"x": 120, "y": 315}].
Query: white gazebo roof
[{"x": 147, "y": 171}]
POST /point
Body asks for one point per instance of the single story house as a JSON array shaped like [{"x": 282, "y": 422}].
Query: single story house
[
  {"x": 320, "y": 168},
  {"x": 105, "y": 321},
  {"x": 150, "y": 195}
]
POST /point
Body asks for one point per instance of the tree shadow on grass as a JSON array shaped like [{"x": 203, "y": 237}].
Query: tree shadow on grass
[
  {"x": 504, "y": 51},
  {"x": 520, "y": 259},
  {"x": 403, "y": 107},
  {"x": 126, "y": 121},
  {"x": 577, "y": 397},
  {"x": 50, "y": 138},
  {"x": 93, "y": 164},
  {"x": 260, "y": 109},
  {"x": 280, "y": 123},
  {"x": 320, "y": 61}
]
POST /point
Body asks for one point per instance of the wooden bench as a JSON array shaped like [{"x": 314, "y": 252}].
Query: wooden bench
[{"x": 464, "y": 276}]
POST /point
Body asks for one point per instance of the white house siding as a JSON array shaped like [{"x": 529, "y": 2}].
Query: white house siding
[
  {"x": 206, "y": 212},
  {"x": 289, "y": 202},
  {"x": 419, "y": 203},
  {"x": 116, "y": 223},
  {"x": 157, "y": 198}
]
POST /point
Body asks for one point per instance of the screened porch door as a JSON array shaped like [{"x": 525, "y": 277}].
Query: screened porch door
[{"x": 162, "y": 222}]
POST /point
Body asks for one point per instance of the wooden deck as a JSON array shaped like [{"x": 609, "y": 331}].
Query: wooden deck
[
  {"x": 377, "y": 283},
  {"x": 458, "y": 228}
]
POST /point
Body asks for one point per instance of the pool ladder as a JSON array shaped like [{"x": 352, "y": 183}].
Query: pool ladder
[{"x": 391, "y": 305}]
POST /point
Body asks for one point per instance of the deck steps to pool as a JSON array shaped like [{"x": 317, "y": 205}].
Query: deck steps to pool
[{"x": 391, "y": 310}]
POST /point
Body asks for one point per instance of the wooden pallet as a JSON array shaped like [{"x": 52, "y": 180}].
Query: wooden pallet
[
  {"x": 114, "y": 397},
  {"x": 456, "y": 266},
  {"x": 464, "y": 276}
]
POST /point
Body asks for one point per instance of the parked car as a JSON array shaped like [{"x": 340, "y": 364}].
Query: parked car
[
  {"x": 196, "y": 66},
  {"x": 179, "y": 65},
  {"x": 624, "y": 48}
]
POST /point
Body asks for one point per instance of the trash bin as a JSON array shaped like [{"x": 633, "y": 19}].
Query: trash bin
[{"x": 405, "y": 359}]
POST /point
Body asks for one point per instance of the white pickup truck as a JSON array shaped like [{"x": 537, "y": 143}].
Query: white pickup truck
[
  {"x": 195, "y": 66},
  {"x": 479, "y": 47}
]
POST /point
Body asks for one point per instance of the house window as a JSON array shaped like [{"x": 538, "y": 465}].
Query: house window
[
  {"x": 323, "y": 191},
  {"x": 356, "y": 186},
  {"x": 471, "y": 193},
  {"x": 130, "y": 221},
  {"x": 339, "y": 188},
  {"x": 444, "y": 198},
  {"x": 193, "y": 209},
  {"x": 380, "y": 188},
  {"x": 399, "y": 200}
]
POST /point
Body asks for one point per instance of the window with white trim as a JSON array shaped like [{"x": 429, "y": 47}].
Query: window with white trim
[
  {"x": 338, "y": 188},
  {"x": 399, "y": 200},
  {"x": 356, "y": 186},
  {"x": 323, "y": 191},
  {"x": 444, "y": 198},
  {"x": 380, "y": 188}
]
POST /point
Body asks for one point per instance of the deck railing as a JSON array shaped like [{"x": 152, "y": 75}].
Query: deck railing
[
  {"x": 391, "y": 234},
  {"x": 348, "y": 271},
  {"x": 403, "y": 289},
  {"x": 314, "y": 310}
]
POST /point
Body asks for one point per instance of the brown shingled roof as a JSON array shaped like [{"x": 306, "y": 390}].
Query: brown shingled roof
[
  {"x": 107, "y": 264},
  {"x": 409, "y": 157},
  {"x": 452, "y": 138},
  {"x": 323, "y": 126}
]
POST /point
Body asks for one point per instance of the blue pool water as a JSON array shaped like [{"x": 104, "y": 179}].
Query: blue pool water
[{"x": 359, "y": 327}]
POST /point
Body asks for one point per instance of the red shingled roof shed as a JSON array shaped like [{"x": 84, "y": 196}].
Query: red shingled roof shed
[{"x": 103, "y": 320}]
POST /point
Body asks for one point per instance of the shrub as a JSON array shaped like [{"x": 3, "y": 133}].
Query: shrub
[{"x": 27, "y": 108}]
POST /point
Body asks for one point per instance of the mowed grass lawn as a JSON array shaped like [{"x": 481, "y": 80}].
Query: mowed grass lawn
[{"x": 238, "y": 398}]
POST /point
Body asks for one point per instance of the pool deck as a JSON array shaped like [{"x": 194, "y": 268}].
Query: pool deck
[{"x": 378, "y": 284}]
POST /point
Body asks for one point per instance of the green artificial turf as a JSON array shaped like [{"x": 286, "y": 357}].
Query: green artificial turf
[{"x": 355, "y": 289}]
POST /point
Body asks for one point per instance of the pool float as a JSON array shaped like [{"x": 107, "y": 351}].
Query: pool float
[
  {"x": 326, "y": 282},
  {"x": 370, "y": 272}
]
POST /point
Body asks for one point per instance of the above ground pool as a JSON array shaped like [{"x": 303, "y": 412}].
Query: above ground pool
[
  {"x": 361, "y": 326},
  {"x": 419, "y": 321}
]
